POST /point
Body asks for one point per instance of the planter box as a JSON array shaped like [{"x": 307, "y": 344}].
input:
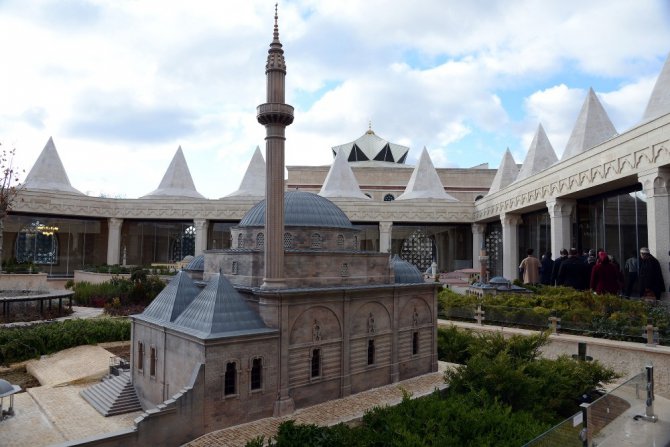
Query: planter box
[{"x": 24, "y": 281}]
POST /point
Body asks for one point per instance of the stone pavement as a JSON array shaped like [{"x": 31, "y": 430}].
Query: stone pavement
[
  {"x": 329, "y": 413},
  {"x": 55, "y": 412}
]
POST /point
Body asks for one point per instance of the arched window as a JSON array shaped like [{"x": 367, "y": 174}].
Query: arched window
[
  {"x": 260, "y": 241},
  {"x": 344, "y": 269},
  {"x": 415, "y": 343},
  {"x": 240, "y": 240},
  {"x": 140, "y": 356},
  {"x": 340, "y": 241},
  {"x": 371, "y": 352},
  {"x": 256, "y": 373},
  {"x": 230, "y": 379},
  {"x": 288, "y": 241},
  {"x": 183, "y": 244},
  {"x": 37, "y": 243},
  {"x": 316, "y": 363},
  {"x": 316, "y": 240},
  {"x": 236, "y": 268},
  {"x": 389, "y": 198},
  {"x": 152, "y": 366},
  {"x": 355, "y": 242}
]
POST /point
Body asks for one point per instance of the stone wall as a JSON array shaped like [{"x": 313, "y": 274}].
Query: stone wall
[{"x": 24, "y": 281}]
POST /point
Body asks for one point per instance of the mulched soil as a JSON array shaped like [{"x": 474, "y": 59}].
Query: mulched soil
[
  {"x": 120, "y": 351},
  {"x": 19, "y": 376}
]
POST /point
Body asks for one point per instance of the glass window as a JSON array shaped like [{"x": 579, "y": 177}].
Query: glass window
[
  {"x": 260, "y": 241},
  {"x": 415, "y": 343},
  {"x": 240, "y": 240},
  {"x": 316, "y": 363},
  {"x": 140, "y": 356},
  {"x": 230, "y": 379},
  {"x": 256, "y": 373},
  {"x": 152, "y": 366},
  {"x": 371, "y": 352}
]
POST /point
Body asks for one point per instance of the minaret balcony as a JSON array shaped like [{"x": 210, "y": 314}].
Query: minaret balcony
[{"x": 274, "y": 113}]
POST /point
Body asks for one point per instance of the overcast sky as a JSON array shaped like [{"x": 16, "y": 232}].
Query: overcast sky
[{"x": 121, "y": 84}]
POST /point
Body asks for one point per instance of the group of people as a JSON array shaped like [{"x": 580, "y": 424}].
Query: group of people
[{"x": 597, "y": 271}]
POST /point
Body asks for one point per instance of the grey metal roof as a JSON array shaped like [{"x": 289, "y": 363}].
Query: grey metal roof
[
  {"x": 219, "y": 310},
  {"x": 405, "y": 272},
  {"x": 173, "y": 299},
  {"x": 197, "y": 264},
  {"x": 301, "y": 209}
]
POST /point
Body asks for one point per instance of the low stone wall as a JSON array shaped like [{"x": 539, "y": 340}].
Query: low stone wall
[
  {"x": 172, "y": 423},
  {"x": 627, "y": 358},
  {"x": 24, "y": 281}
]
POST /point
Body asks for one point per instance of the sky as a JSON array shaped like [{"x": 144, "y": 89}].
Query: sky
[{"x": 121, "y": 84}]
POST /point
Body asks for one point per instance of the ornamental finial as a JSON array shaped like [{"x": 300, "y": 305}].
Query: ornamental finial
[{"x": 276, "y": 33}]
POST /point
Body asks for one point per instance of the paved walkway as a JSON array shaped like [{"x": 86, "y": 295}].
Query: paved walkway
[
  {"x": 54, "y": 412},
  {"x": 328, "y": 413}
]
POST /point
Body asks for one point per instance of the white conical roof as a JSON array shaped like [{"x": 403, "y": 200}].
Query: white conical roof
[
  {"x": 177, "y": 181},
  {"x": 340, "y": 181},
  {"x": 425, "y": 183},
  {"x": 593, "y": 126},
  {"x": 48, "y": 172},
  {"x": 540, "y": 155},
  {"x": 659, "y": 101},
  {"x": 506, "y": 174},
  {"x": 253, "y": 182}
]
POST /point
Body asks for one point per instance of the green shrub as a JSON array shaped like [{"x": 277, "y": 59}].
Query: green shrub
[
  {"x": 23, "y": 343},
  {"x": 140, "y": 291},
  {"x": 453, "y": 344}
]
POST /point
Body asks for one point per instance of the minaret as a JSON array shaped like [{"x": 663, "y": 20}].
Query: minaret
[{"x": 275, "y": 115}]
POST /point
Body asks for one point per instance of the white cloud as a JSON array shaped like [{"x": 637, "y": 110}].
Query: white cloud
[{"x": 119, "y": 85}]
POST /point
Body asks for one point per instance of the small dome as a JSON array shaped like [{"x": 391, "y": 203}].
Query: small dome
[
  {"x": 197, "y": 264},
  {"x": 405, "y": 272},
  {"x": 7, "y": 389},
  {"x": 499, "y": 280},
  {"x": 301, "y": 209}
]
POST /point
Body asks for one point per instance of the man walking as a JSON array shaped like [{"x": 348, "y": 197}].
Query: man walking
[
  {"x": 649, "y": 275},
  {"x": 531, "y": 268},
  {"x": 573, "y": 271},
  {"x": 557, "y": 266}
]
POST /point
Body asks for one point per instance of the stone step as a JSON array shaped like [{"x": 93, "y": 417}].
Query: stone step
[{"x": 113, "y": 396}]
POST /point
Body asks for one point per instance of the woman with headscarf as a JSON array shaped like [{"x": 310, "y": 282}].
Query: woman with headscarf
[{"x": 604, "y": 276}]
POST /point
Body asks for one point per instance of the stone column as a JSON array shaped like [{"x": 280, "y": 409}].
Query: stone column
[
  {"x": 478, "y": 231},
  {"x": 656, "y": 185},
  {"x": 385, "y": 229},
  {"x": 201, "y": 228},
  {"x": 560, "y": 212},
  {"x": 510, "y": 230},
  {"x": 114, "y": 240}
]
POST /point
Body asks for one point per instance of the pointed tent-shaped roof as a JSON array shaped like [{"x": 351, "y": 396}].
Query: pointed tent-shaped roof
[
  {"x": 48, "y": 172},
  {"x": 424, "y": 182},
  {"x": 540, "y": 155},
  {"x": 340, "y": 181},
  {"x": 220, "y": 310},
  {"x": 593, "y": 126},
  {"x": 506, "y": 174},
  {"x": 173, "y": 299},
  {"x": 659, "y": 101},
  {"x": 371, "y": 147},
  {"x": 253, "y": 182},
  {"x": 177, "y": 181}
]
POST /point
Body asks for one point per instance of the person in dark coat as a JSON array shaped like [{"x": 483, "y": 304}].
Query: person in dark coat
[
  {"x": 572, "y": 271},
  {"x": 650, "y": 277},
  {"x": 546, "y": 267},
  {"x": 605, "y": 276},
  {"x": 591, "y": 260},
  {"x": 557, "y": 266}
]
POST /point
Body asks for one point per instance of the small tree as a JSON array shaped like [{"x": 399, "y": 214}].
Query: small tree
[{"x": 9, "y": 189}]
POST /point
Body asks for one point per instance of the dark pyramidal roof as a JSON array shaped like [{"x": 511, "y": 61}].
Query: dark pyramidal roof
[
  {"x": 219, "y": 310},
  {"x": 301, "y": 209},
  {"x": 173, "y": 299}
]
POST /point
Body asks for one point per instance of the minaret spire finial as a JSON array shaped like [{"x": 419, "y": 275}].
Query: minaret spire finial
[{"x": 276, "y": 33}]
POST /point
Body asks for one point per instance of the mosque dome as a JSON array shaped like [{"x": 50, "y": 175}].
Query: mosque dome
[
  {"x": 301, "y": 209},
  {"x": 197, "y": 264},
  {"x": 405, "y": 272}
]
